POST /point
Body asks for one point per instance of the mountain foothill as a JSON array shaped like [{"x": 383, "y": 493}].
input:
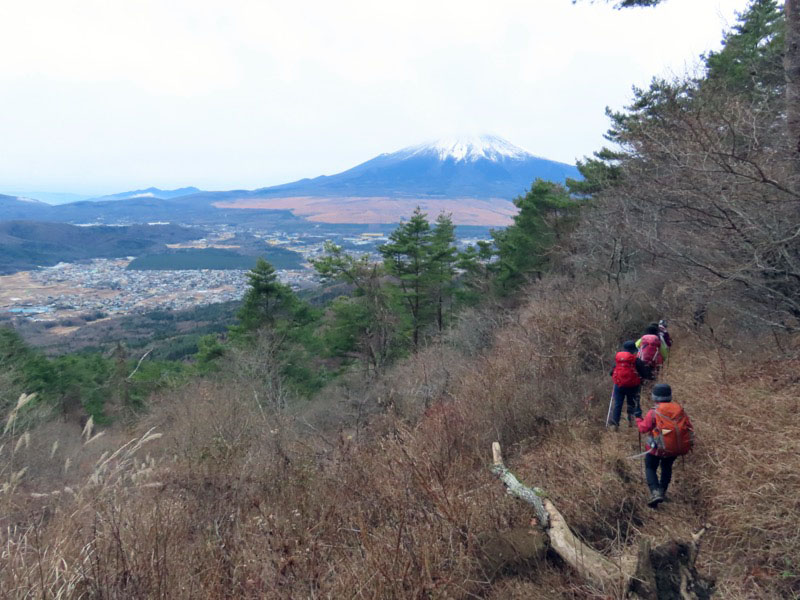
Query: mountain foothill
[{"x": 28, "y": 244}]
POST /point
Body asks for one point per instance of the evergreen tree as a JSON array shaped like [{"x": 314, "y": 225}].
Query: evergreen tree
[
  {"x": 407, "y": 257},
  {"x": 120, "y": 379},
  {"x": 474, "y": 282},
  {"x": 364, "y": 325},
  {"x": 442, "y": 260},
  {"x": 209, "y": 349},
  {"x": 348, "y": 329},
  {"x": 266, "y": 300},
  {"x": 750, "y": 60},
  {"x": 522, "y": 249},
  {"x": 749, "y": 66},
  {"x": 599, "y": 173},
  {"x": 271, "y": 305},
  {"x": 791, "y": 67}
]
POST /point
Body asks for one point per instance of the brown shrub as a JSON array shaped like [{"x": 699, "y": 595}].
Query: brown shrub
[{"x": 236, "y": 500}]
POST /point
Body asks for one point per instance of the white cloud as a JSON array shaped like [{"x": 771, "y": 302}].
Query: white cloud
[{"x": 121, "y": 93}]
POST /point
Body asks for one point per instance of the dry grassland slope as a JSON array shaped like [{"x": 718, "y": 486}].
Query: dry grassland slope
[{"x": 232, "y": 501}]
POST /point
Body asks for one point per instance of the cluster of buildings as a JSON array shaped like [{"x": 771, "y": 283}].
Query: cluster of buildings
[
  {"x": 102, "y": 287},
  {"x": 106, "y": 286}
]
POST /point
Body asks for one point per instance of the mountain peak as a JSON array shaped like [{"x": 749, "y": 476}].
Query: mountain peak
[
  {"x": 466, "y": 166},
  {"x": 470, "y": 148},
  {"x": 151, "y": 192}
]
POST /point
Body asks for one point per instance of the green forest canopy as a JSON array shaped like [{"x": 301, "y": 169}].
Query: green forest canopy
[{"x": 215, "y": 258}]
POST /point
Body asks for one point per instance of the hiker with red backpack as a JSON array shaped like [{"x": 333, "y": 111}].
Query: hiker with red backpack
[
  {"x": 669, "y": 435},
  {"x": 652, "y": 350},
  {"x": 627, "y": 373}
]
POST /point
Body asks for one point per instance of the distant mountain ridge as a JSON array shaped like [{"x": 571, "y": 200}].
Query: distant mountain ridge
[
  {"x": 51, "y": 198},
  {"x": 14, "y": 207},
  {"x": 484, "y": 166},
  {"x": 474, "y": 178},
  {"x": 151, "y": 192},
  {"x": 28, "y": 244}
]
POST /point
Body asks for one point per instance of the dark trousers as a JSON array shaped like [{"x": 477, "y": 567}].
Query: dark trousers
[
  {"x": 651, "y": 463},
  {"x": 621, "y": 394}
]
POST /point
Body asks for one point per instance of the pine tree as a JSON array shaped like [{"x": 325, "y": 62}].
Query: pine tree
[
  {"x": 791, "y": 73},
  {"x": 599, "y": 173},
  {"x": 441, "y": 265},
  {"x": 266, "y": 299},
  {"x": 474, "y": 283},
  {"x": 523, "y": 247},
  {"x": 120, "y": 378},
  {"x": 407, "y": 257},
  {"x": 750, "y": 60},
  {"x": 364, "y": 325}
]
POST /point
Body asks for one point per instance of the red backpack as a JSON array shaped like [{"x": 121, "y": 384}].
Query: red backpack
[
  {"x": 650, "y": 350},
  {"x": 625, "y": 374},
  {"x": 673, "y": 434}
]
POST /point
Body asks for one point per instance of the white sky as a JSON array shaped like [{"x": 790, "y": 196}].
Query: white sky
[{"x": 100, "y": 96}]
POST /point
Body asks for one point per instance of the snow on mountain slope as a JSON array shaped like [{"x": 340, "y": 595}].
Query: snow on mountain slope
[
  {"x": 14, "y": 207},
  {"x": 470, "y": 149},
  {"x": 151, "y": 192}
]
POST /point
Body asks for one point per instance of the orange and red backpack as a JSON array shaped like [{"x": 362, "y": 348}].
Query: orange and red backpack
[{"x": 673, "y": 434}]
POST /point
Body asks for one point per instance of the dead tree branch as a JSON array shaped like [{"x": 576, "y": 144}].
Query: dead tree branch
[
  {"x": 139, "y": 364},
  {"x": 631, "y": 575}
]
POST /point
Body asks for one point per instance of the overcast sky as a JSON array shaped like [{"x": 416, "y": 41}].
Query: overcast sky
[{"x": 101, "y": 96}]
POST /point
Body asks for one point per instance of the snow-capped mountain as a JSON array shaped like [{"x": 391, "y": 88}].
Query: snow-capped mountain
[
  {"x": 16, "y": 207},
  {"x": 484, "y": 166},
  {"x": 474, "y": 178},
  {"x": 151, "y": 192},
  {"x": 469, "y": 149}
]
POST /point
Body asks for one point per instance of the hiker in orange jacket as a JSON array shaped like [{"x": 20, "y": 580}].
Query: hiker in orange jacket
[{"x": 670, "y": 434}]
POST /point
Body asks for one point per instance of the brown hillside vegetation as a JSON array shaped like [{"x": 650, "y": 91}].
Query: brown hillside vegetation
[
  {"x": 464, "y": 211},
  {"x": 386, "y": 492}
]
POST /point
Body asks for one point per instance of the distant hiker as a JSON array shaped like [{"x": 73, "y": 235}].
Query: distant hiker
[
  {"x": 699, "y": 315},
  {"x": 669, "y": 435},
  {"x": 627, "y": 373},
  {"x": 652, "y": 350},
  {"x": 666, "y": 339}
]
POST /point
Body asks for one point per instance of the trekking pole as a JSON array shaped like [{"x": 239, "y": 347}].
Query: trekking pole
[
  {"x": 610, "y": 403},
  {"x": 644, "y": 476}
]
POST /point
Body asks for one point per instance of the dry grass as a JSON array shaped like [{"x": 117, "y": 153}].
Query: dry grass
[
  {"x": 747, "y": 469},
  {"x": 237, "y": 501}
]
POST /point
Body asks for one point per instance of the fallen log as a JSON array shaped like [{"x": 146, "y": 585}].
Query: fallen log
[{"x": 667, "y": 571}]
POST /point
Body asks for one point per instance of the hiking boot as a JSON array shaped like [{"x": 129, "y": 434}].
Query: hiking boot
[
  {"x": 656, "y": 498},
  {"x": 664, "y": 497},
  {"x": 630, "y": 420},
  {"x": 614, "y": 426}
]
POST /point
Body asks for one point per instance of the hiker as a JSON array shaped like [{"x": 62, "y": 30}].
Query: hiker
[
  {"x": 652, "y": 350},
  {"x": 669, "y": 435},
  {"x": 627, "y": 373},
  {"x": 666, "y": 339}
]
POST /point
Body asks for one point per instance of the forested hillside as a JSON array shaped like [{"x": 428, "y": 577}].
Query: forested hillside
[
  {"x": 30, "y": 244},
  {"x": 342, "y": 448}
]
